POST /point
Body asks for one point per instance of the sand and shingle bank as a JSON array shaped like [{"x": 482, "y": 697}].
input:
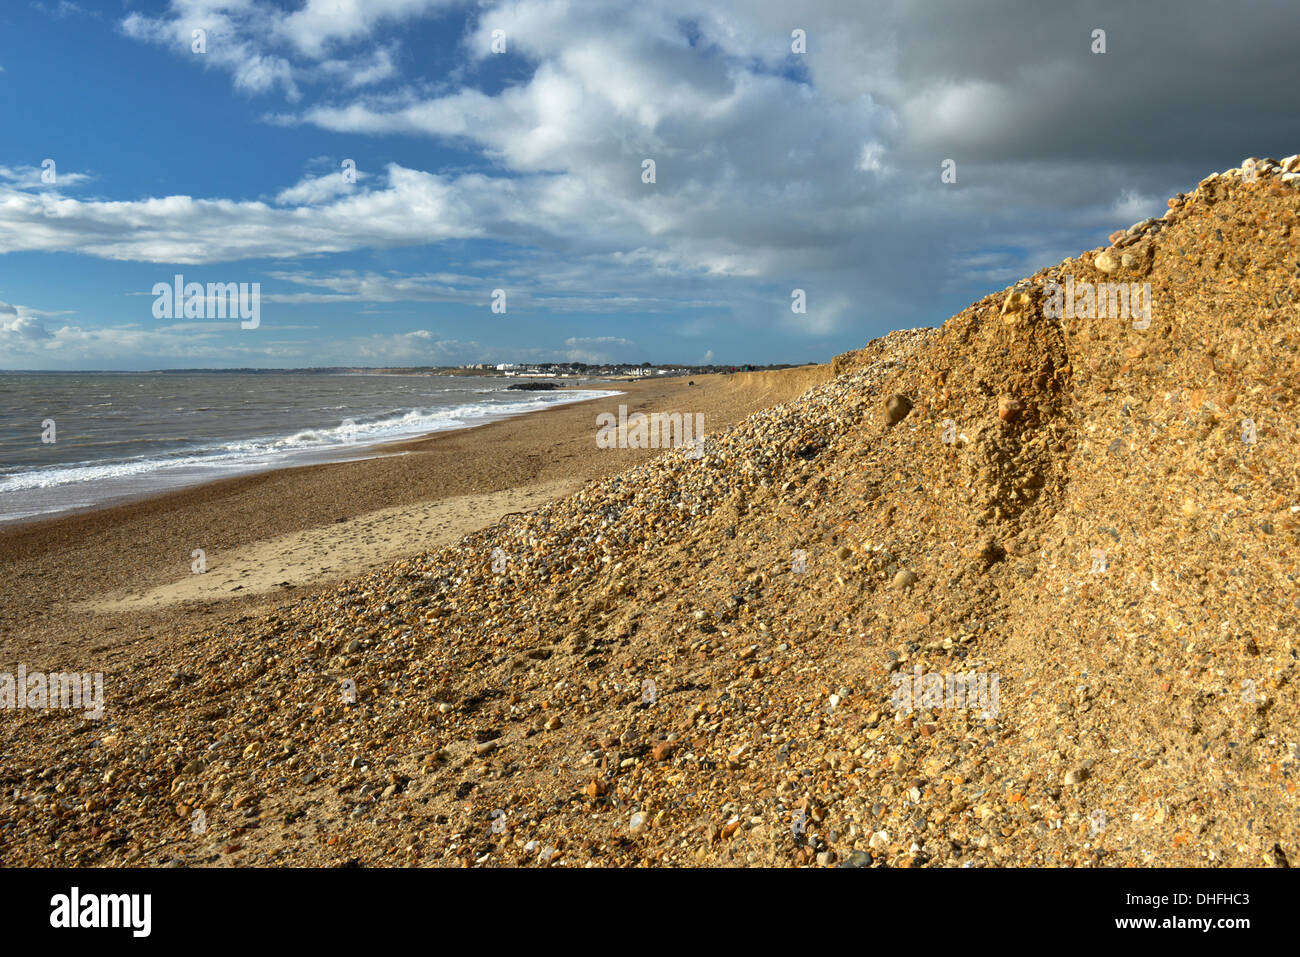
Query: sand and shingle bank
[{"x": 698, "y": 661}]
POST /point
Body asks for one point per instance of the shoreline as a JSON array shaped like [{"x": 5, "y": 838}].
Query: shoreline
[
  {"x": 158, "y": 484},
  {"x": 100, "y": 586}
]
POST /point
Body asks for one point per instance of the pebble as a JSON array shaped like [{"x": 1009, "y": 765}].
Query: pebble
[
  {"x": 1009, "y": 408},
  {"x": 896, "y": 408},
  {"x": 904, "y": 579}
]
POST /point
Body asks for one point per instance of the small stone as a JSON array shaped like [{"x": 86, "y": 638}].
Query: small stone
[
  {"x": 636, "y": 824},
  {"x": 1106, "y": 262},
  {"x": 904, "y": 579},
  {"x": 1009, "y": 408},
  {"x": 662, "y": 751},
  {"x": 1076, "y": 776},
  {"x": 554, "y": 723},
  {"x": 896, "y": 408},
  {"x": 353, "y": 646}
]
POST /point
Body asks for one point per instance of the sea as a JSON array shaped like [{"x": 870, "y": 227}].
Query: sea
[{"x": 71, "y": 441}]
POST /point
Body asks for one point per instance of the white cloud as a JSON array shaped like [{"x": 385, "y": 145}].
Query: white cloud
[
  {"x": 773, "y": 171},
  {"x": 1131, "y": 206},
  {"x": 414, "y": 208},
  {"x": 320, "y": 24},
  {"x": 266, "y": 48},
  {"x": 26, "y": 341},
  {"x": 575, "y": 342},
  {"x": 19, "y": 328},
  {"x": 29, "y": 177},
  {"x": 65, "y": 8},
  {"x": 318, "y": 189},
  {"x": 598, "y": 349}
]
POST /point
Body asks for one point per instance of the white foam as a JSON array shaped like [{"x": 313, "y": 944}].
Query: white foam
[{"x": 258, "y": 454}]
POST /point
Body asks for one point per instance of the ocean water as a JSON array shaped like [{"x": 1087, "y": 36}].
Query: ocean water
[{"x": 124, "y": 435}]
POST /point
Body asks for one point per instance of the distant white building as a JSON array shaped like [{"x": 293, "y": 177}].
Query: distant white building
[{"x": 508, "y": 366}]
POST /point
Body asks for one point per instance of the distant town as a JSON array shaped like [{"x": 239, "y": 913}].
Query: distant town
[
  {"x": 543, "y": 370},
  {"x": 562, "y": 370}
]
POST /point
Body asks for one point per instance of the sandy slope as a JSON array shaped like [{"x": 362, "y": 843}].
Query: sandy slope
[
  {"x": 699, "y": 661},
  {"x": 330, "y": 552}
]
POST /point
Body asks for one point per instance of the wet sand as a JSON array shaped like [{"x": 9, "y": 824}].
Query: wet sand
[{"x": 86, "y": 589}]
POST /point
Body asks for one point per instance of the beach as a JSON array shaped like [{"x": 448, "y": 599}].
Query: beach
[
  {"x": 1016, "y": 591},
  {"x": 88, "y": 587}
]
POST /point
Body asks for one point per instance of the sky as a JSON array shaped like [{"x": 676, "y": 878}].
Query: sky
[{"x": 387, "y": 170}]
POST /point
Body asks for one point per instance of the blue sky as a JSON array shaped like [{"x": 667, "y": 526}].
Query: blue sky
[{"x": 522, "y": 170}]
